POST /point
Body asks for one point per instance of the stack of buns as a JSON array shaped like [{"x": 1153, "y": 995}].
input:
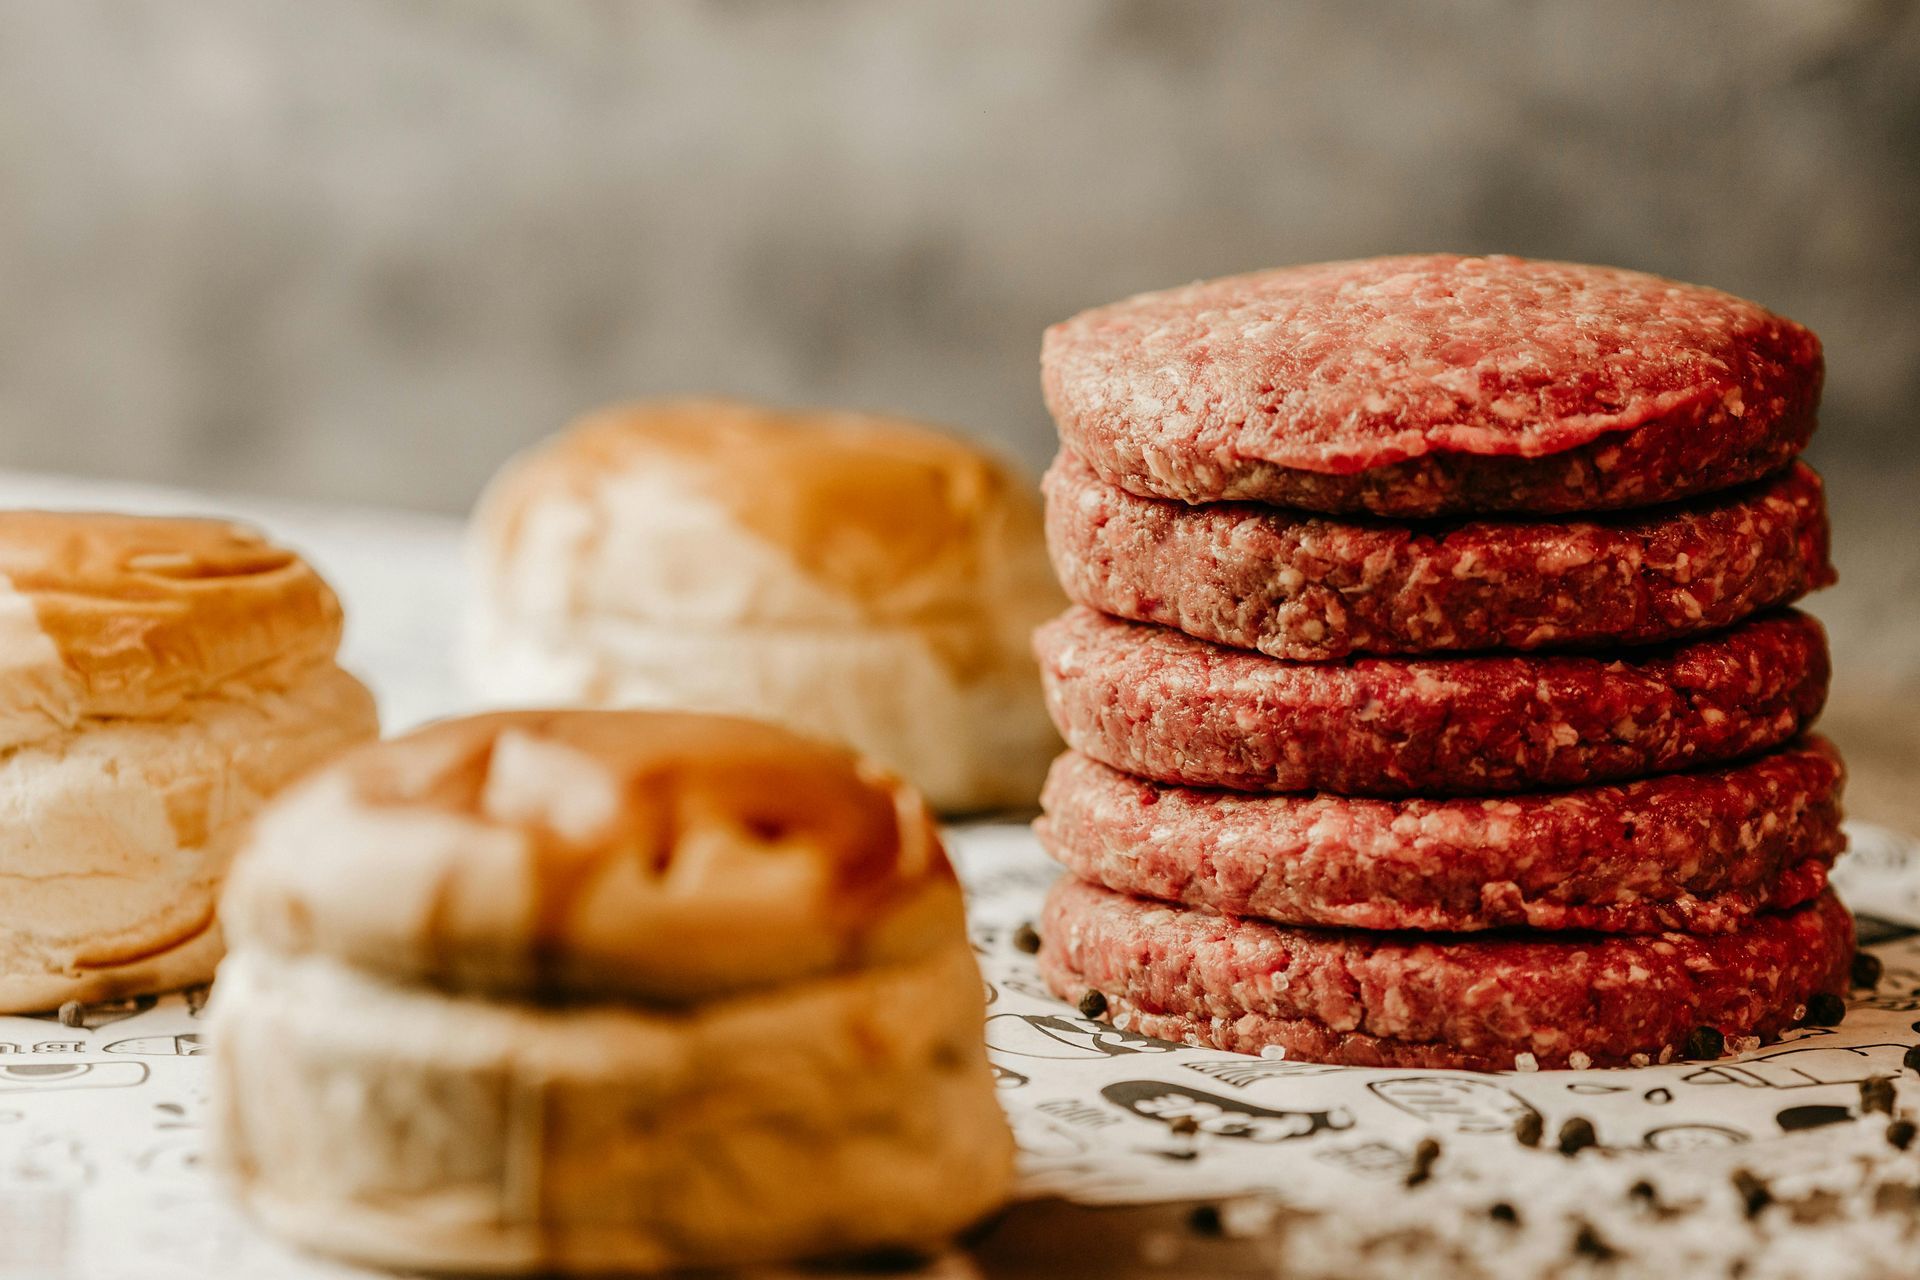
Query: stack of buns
[
  {"x": 594, "y": 991},
  {"x": 160, "y": 679},
  {"x": 857, "y": 578},
  {"x": 1433, "y": 694}
]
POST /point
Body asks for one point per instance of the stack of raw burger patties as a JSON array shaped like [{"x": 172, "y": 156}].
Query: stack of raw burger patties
[{"x": 1432, "y": 689}]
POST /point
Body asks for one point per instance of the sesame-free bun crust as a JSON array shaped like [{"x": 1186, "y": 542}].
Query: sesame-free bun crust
[
  {"x": 130, "y": 617},
  {"x": 582, "y": 992},
  {"x": 854, "y": 577},
  {"x": 658, "y": 856},
  {"x": 160, "y": 679}
]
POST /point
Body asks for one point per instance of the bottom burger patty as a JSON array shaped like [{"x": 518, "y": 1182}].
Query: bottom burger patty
[{"x": 1475, "y": 1002}]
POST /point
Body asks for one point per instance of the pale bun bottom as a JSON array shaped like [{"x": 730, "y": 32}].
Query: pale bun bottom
[
  {"x": 187, "y": 963},
  {"x": 120, "y": 832},
  {"x": 955, "y": 711},
  {"x": 405, "y": 1128}
]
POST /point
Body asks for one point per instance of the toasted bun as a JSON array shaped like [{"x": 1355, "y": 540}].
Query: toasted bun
[
  {"x": 129, "y": 617},
  {"x": 666, "y": 857},
  {"x": 760, "y": 537}
]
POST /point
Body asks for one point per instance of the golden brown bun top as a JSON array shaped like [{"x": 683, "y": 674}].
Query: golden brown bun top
[
  {"x": 663, "y": 856},
  {"x": 128, "y": 616},
  {"x": 893, "y": 515}
]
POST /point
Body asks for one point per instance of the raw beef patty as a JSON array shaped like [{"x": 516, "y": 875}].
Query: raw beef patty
[
  {"x": 1163, "y": 705},
  {"x": 1432, "y": 385},
  {"x": 1312, "y": 587},
  {"x": 1478, "y": 1002},
  {"x": 1697, "y": 852}
]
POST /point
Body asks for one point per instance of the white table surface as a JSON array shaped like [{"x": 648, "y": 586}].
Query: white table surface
[{"x": 400, "y": 577}]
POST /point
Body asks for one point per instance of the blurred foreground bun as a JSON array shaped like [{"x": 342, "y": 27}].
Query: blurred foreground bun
[
  {"x": 159, "y": 679},
  {"x": 586, "y": 991},
  {"x": 859, "y": 578}
]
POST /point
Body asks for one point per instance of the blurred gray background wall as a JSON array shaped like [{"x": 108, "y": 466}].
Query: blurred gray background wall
[{"x": 363, "y": 249}]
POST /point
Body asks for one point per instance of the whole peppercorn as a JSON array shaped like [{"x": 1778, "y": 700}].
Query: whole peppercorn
[
  {"x": 1867, "y": 969},
  {"x": 1424, "y": 1157},
  {"x": 1900, "y": 1134},
  {"x": 1825, "y": 1010},
  {"x": 1876, "y": 1094},
  {"x": 1026, "y": 938},
  {"x": 1529, "y": 1129},
  {"x": 1911, "y": 1058},
  {"x": 1501, "y": 1211},
  {"x": 1093, "y": 1004},
  {"x": 1205, "y": 1220},
  {"x": 1754, "y": 1195},
  {"x": 1576, "y": 1135},
  {"x": 1705, "y": 1043}
]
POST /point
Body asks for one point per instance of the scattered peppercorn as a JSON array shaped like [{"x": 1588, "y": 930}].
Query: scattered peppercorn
[
  {"x": 1825, "y": 1009},
  {"x": 1576, "y": 1135},
  {"x": 1754, "y": 1195},
  {"x": 73, "y": 1014},
  {"x": 1529, "y": 1129},
  {"x": 1205, "y": 1221},
  {"x": 1587, "y": 1243},
  {"x": 1093, "y": 1004},
  {"x": 1911, "y": 1059},
  {"x": 1705, "y": 1043},
  {"x": 1644, "y": 1191},
  {"x": 1876, "y": 1094},
  {"x": 1867, "y": 969},
  {"x": 1184, "y": 1126},
  {"x": 1026, "y": 938},
  {"x": 1900, "y": 1134},
  {"x": 1501, "y": 1211},
  {"x": 1424, "y": 1157}
]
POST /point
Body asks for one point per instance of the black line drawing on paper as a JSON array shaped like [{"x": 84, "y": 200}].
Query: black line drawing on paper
[
  {"x": 1244, "y": 1073},
  {"x": 1658, "y": 1097},
  {"x": 1804, "y": 1066},
  {"x": 1813, "y": 1115},
  {"x": 1047, "y": 1035},
  {"x": 181, "y": 1046},
  {"x": 1078, "y": 1111},
  {"x": 1692, "y": 1137},
  {"x": 173, "y": 1158},
  {"x": 1872, "y": 931},
  {"x": 49, "y": 1160},
  {"x": 1036, "y": 1135},
  {"x": 1007, "y": 1077},
  {"x": 1594, "y": 1089},
  {"x": 1367, "y": 1159},
  {"x": 991, "y": 992},
  {"x": 1898, "y": 991},
  {"x": 1456, "y": 1104},
  {"x": 1028, "y": 985},
  {"x": 1215, "y": 1116},
  {"x": 39, "y": 1077}
]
